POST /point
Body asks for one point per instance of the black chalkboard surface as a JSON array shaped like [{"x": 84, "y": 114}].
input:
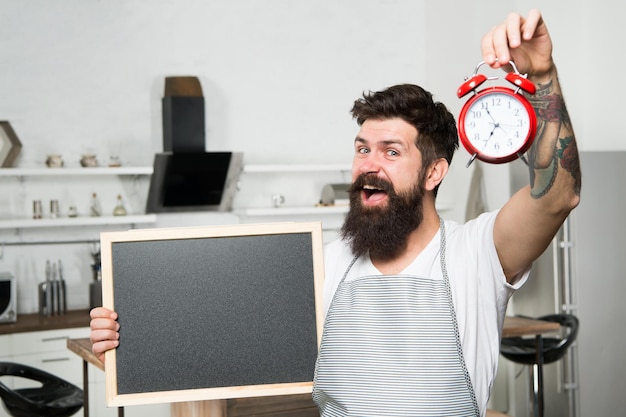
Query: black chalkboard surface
[{"x": 213, "y": 312}]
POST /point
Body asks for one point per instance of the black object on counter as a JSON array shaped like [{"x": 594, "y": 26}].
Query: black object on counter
[{"x": 52, "y": 292}]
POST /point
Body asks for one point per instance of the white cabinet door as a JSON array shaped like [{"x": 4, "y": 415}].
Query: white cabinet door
[
  {"x": 46, "y": 341},
  {"x": 47, "y": 350},
  {"x": 6, "y": 347}
]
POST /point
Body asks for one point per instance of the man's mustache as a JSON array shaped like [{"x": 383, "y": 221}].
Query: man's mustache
[{"x": 371, "y": 181}]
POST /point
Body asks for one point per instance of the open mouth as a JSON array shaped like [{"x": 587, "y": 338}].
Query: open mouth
[
  {"x": 373, "y": 194},
  {"x": 370, "y": 189}
]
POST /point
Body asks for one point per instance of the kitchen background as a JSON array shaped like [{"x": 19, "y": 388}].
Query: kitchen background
[{"x": 278, "y": 79}]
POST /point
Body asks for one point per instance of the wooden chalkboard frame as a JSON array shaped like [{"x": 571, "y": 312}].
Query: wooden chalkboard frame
[{"x": 112, "y": 267}]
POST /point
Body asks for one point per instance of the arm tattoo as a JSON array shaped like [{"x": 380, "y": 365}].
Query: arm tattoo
[{"x": 554, "y": 147}]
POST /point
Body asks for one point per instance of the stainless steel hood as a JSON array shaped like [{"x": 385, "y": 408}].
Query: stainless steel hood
[
  {"x": 185, "y": 177},
  {"x": 192, "y": 181}
]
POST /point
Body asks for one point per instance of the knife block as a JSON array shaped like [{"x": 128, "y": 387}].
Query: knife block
[{"x": 52, "y": 299}]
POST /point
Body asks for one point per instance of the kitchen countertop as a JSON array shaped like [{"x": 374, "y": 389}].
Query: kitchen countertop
[
  {"x": 36, "y": 322},
  {"x": 513, "y": 326}
]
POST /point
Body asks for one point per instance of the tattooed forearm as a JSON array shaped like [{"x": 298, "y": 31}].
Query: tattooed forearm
[
  {"x": 551, "y": 108},
  {"x": 542, "y": 180},
  {"x": 549, "y": 105},
  {"x": 554, "y": 147},
  {"x": 567, "y": 153}
]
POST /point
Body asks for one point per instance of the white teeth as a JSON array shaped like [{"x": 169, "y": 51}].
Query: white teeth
[{"x": 369, "y": 187}]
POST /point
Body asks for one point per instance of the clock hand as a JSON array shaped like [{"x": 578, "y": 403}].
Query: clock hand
[
  {"x": 490, "y": 135},
  {"x": 489, "y": 113},
  {"x": 503, "y": 129},
  {"x": 495, "y": 124}
]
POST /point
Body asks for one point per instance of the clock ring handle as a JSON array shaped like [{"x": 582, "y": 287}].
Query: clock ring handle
[
  {"x": 472, "y": 83},
  {"x": 511, "y": 63},
  {"x": 519, "y": 80},
  {"x": 515, "y": 78}
]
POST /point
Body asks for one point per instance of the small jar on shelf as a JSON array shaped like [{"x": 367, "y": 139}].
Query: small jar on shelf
[
  {"x": 119, "y": 209},
  {"x": 95, "y": 209}
]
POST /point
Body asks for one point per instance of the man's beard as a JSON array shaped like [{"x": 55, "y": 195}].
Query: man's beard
[{"x": 383, "y": 231}]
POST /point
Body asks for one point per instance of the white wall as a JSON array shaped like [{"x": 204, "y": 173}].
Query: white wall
[{"x": 275, "y": 73}]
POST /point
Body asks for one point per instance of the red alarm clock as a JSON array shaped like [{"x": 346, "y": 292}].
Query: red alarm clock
[{"x": 497, "y": 124}]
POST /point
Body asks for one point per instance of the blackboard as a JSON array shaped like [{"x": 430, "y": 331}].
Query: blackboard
[{"x": 213, "y": 312}]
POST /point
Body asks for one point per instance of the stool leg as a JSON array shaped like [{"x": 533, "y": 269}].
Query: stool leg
[
  {"x": 536, "y": 380},
  {"x": 538, "y": 372},
  {"x": 85, "y": 388},
  {"x": 534, "y": 390}
]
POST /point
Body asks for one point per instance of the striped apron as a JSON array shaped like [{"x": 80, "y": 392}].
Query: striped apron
[{"x": 391, "y": 347}]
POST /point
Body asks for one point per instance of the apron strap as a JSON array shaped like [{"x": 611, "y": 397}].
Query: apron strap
[{"x": 444, "y": 271}]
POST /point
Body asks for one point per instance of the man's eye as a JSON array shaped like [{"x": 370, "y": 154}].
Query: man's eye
[
  {"x": 392, "y": 152},
  {"x": 363, "y": 150}
]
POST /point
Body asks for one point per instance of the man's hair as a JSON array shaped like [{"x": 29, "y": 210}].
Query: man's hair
[{"x": 436, "y": 128}]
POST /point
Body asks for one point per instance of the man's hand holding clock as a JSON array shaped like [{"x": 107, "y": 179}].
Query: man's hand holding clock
[{"x": 498, "y": 124}]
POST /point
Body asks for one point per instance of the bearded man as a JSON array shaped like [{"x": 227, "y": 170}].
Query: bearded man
[{"x": 414, "y": 304}]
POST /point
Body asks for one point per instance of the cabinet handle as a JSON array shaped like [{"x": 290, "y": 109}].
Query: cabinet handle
[
  {"x": 52, "y": 339},
  {"x": 55, "y": 360}
]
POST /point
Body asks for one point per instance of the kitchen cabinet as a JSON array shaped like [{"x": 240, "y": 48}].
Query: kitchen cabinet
[
  {"x": 6, "y": 348},
  {"x": 47, "y": 350}
]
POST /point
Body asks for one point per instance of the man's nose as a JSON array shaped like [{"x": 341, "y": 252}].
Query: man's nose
[{"x": 368, "y": 165}]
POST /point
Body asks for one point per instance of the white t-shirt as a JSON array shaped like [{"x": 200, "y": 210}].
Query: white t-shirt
[{"x": 479, "y": 289}]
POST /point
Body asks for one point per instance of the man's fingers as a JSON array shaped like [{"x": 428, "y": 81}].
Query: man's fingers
[{"x": 530, "y": 24}]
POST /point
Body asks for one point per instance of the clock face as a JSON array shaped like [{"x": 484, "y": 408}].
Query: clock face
[{"x": 496, "y": 125}]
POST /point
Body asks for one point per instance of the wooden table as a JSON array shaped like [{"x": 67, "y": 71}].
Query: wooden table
[{"x": 522, "y": 326}]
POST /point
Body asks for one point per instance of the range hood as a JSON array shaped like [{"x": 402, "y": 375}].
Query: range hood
[{"x": 185, "y": 177}]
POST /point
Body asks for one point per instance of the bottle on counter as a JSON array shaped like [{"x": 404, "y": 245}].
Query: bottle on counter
[
  {"x": 37, "y": 209},
  {"x": 95, "y": 209},
  {"x": 119, "y": 209}
]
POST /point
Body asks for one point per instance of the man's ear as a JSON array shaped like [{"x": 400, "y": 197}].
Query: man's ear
[{"x": 436, "y": 173}]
